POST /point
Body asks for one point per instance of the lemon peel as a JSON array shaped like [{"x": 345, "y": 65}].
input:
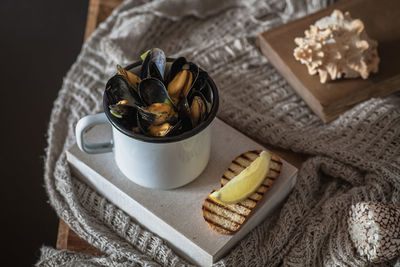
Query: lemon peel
[{"x": 245, "y": 183}]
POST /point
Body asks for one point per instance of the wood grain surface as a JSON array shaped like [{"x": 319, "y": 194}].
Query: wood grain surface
[
  {"x": 328, "y": 101},
  {"x": 68, "y": 239},
  {"x": 99, "y": 10}
]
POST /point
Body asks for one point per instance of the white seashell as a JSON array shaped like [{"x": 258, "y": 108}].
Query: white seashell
[
  {"x": 375, "y": 230},
  {"x": 337, "y": 47}
]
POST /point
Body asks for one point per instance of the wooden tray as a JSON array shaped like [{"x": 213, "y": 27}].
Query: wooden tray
[{"x": 328, "y": 101}]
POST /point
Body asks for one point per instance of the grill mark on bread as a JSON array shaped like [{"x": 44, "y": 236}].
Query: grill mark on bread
[
  {"x": 235, "y": 168},
  {"x": 245, "y": 211},
  {"x": 246, "y": 157},
  {"x": 217, "y": 224},
  {"x": 239, "y": 164},
  {"x": 229, "y": 174},
  {"x": 225, "y": 217},
  {"x": 243, "y": 161},
  {"x": 246, "y": 206},
  {"x": 228, "y": 219},
  {"x": 221, "y": 221},
  {"x": 247, "y": 203},
  {"x": 277, "y": 171}
]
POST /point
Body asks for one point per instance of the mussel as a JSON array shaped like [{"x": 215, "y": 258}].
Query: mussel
[
  {"x": 132, "y": 78},
  {"x": 121, "y": 110},
  {"x": 202, "y": 87},
  {"x": 198, "y": 109},
  {"x": 125, "y": 115},
  {"x": 118, "y": 89},
  {"x": 162, "y": 113},
  {"x": 181, "y": 78},
  {"x": 154, "y": 65},
  {"x": 163, "y": 129},
  {"x": 160, "y": 130},
  {"x": 160, "y": 102},
  {"x": 155, "y": 96},
  {"x": 152, "y": 91},
  {"x": 180, "y": 85}
]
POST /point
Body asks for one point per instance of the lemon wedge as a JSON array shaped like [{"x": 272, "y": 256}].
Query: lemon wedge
[{"x": 245, "y": 183}]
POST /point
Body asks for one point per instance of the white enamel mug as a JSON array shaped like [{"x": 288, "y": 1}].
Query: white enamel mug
[{"x": 153, "y": 162}]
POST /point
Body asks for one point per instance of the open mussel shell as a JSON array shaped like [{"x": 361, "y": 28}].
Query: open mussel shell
[
  {"x": 154, "y": 65},
  {"x": 122, "y": 111},
  {"x": 202, "y": 87},
  {"x": 125, "y": 115},
  {"x": 198, "y": 109},
  {"x": 118, "y": 89},
  {"x": 176, "y": 129},
  {"x": 182, "y": 77},
  {"x": 152, "y": 90},
  {"x": 181, "y": 64},
  {"x": 194, "y": 69},
  {"x": 168, "y": 128},
  {"x": 158, "y": 113},
  {"x": 176, "y": 67},
  {"x": 132, "y": 78}
]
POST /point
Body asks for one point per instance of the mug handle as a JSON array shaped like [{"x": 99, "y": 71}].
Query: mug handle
[{"x": 81, "y": 127}]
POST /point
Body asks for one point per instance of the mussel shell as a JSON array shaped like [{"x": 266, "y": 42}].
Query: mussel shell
[
  {"x": 202, "y": 86},
  {"x": 194, "y": 69},
  {"x": 118, "y": 88},
  {"x": 152, "y": 90},
  {"x": 154, "y": 65},
  {"x": 145, "y": 125},
  {"x": 159, "y": 114},
  {"x": 132, "y": 78},
  {"x": 176, "y": 129},
  {"x": 198, "y": 86},
  {"x": 122, "y": 111},
  {"x": 180, "y": 64},
  {"x": 128, "y": 115},
  {"x": 200, "y": 100},
  {"x": 176, "y": 67}
]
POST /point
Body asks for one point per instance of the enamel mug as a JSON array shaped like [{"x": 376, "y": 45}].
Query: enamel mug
[{"x": 153, "y": 162}]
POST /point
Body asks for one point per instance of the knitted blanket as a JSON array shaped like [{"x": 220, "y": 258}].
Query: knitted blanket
[{"x": 355, "y": 158}]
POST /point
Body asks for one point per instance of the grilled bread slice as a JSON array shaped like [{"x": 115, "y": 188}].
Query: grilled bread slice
[{"x": 227, "y": 219}]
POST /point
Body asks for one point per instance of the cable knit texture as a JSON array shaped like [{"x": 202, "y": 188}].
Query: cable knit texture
[{"x": 355, "y": 158}]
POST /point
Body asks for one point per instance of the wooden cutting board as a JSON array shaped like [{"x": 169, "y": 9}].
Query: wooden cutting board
[{"x": 328, "y": 101}]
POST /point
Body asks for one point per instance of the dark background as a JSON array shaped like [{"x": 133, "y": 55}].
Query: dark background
[{"x": 39, "y": 42}]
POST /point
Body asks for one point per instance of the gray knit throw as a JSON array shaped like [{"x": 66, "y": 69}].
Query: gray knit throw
[{"x": 355, "y": 158}]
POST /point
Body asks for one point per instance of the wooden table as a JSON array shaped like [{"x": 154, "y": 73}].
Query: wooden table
[{"x": 98, "y": 11}]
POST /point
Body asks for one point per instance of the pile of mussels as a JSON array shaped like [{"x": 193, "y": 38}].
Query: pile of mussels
[{"x": 163, "y": 101}]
